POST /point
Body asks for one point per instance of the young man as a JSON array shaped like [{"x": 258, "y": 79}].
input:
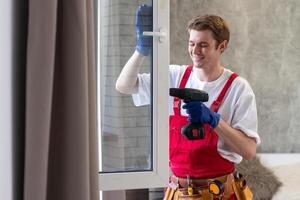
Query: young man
[{"x": 229, "y": 117}]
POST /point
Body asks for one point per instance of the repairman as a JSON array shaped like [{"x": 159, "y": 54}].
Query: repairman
[{"x": 204, "y": 168}]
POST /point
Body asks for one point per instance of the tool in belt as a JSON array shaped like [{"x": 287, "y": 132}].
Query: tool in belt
[{"x": 224, "y": 188}]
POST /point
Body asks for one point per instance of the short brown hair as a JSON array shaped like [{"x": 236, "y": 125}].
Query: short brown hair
[{"x": 215, "y": 24}]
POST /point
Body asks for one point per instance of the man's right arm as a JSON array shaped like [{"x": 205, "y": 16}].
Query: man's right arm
[{"x": 127, "y": 81}]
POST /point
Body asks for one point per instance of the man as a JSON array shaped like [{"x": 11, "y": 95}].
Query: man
[{"x": 229, "y": 117}]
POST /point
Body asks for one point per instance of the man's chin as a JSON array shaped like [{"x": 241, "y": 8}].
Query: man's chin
[{"x": 197, "y": 65}]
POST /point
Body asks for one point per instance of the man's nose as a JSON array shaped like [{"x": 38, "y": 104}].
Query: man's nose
[{"x": 197, "y": 49}]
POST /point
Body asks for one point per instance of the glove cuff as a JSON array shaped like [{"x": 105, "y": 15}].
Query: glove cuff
[
  {"x": 144, "y": 51},
  {"x": 215, "y": 120}
]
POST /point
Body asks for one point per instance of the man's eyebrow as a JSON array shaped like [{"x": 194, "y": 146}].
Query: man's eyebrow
[{"x": 191, "y": 41}]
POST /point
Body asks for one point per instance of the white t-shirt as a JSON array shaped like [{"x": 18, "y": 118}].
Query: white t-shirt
[{"x": 238, "y": 108}]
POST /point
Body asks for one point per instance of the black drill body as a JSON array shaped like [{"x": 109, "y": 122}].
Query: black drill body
[{"x": 192, "y": 131}]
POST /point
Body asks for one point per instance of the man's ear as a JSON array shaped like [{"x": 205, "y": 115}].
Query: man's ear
[{"x": 223, "y": 46}]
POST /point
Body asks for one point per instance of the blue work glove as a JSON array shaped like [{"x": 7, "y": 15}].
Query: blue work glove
[
  {"x": 199, "y": 113},
  {"x": 144, "y": 23}
]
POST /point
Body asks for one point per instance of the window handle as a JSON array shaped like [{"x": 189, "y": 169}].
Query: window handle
[{"x": 161, "y": 34}]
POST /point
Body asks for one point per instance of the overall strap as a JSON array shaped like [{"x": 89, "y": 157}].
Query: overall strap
[
  {"x": 177, "y": 101},
  {"x": 216, "y": 104}
]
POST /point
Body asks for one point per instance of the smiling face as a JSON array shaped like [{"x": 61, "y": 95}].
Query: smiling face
[{"x": 203, "y": 49}]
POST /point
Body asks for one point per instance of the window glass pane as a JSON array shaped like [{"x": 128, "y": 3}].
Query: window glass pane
[{"x": 125, "y": 131}]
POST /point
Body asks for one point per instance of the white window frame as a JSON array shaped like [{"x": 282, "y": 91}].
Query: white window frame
[{"x": 158, "y": 177}]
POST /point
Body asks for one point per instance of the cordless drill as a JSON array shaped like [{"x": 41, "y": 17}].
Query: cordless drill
[{"x": 192, "y": 131}]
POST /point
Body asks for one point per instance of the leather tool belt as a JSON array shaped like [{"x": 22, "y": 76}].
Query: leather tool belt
[{"x": 227, "y": 187}]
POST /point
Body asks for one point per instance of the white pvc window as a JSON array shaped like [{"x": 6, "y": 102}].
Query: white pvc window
[{"x": 133, "y": 141}]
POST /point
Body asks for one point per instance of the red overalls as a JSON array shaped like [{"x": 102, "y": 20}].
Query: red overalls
[{"x": 196, "y": 158}]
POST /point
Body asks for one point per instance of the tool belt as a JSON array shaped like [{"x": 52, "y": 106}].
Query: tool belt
[{"x": 227, "y": 187}]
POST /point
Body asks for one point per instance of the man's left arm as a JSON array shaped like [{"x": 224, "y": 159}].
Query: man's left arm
[
  {"x": 234, "y": 138},
  {"x": 237, "y": 140}
]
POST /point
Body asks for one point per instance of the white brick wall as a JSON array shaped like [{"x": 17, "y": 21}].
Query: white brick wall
[{"x": 6, "y": 108}]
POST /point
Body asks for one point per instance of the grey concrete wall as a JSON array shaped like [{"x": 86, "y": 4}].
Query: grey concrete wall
[{"x": 265, "y": 49}]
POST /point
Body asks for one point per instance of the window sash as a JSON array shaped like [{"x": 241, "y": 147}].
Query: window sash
[{"x": 158, "y": 177}]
